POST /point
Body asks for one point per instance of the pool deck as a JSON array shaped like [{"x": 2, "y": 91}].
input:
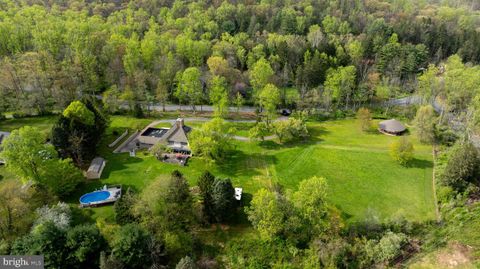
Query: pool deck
[{"x": 115, "y": 194}]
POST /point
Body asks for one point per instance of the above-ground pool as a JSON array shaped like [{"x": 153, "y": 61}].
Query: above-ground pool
[{"x": 94, "y": 197}]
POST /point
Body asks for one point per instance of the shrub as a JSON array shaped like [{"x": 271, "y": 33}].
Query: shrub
[
  {"x": 387, "y": 248},
  {"x": 290, "y": 130},
  {"x": 364, "y": 117},
  {"x": 259, "y": 131},
  {"x": 402, "y": 151},
  {"x": 130, "y": 246},
  {"x": 186, "y": 263},
  {"x": 46, "y": 239},
  {"x": 462, "y": 167},
  {"x": 59, "y": 215},
  {"x": 85, "y": 244},
  {"x": 159, "y": 149}
]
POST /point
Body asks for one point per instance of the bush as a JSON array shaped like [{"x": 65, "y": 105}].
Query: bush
[
  {"x": 131, "y": 246},
  {"x": 290, "y": 130},
  {"x": 18, "y": 115},
  {"x": 364, "y": 117},
  {"x": 402, "y": 151},
  {"x": 85, "y": 244},
  {"x": 387, "y": 248},
  {"x": 186, "y": 263},
  {"x": 445, "y": 136},
  {"x": 259, "y": 131},
  {"x": 462, "y": 167},
  {"x": 47, "y": 240},
  {"x": 177, "y": 244},
  {"x": 138, "y": 111},
  {"x": 59, "y": 215},
  {"x": 159, "y": 149}
]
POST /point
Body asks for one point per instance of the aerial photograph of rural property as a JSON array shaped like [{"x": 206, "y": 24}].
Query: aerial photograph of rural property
[{"x": 211, "y": 134}]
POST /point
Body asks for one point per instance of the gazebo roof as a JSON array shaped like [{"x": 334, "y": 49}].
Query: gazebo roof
[{"x": 392, "y": 126}]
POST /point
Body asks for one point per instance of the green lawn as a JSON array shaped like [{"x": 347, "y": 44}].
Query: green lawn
[
  {"x": 362, "y": 176},
  {"x": 44, "y": 123}
]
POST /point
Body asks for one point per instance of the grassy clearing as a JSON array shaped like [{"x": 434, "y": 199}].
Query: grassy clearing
[
  {"x": 44, "y": 123},
  {"x": 361, "y": 175}
]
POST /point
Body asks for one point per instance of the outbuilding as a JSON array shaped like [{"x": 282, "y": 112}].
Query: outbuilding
[
  {"x": 96, "y": 168},
  {"x": 391, "y": 127}
]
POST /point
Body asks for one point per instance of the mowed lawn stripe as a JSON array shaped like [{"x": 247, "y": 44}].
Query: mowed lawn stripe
[{"x": 363, "y": 180}]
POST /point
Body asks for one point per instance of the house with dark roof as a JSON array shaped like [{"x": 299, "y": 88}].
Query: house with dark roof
[{"x": 175, "y": 137}]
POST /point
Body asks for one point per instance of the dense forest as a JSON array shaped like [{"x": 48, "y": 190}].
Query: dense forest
[
  {"x": 88, "y": 61},
  {"x": 334, "y": 52}
]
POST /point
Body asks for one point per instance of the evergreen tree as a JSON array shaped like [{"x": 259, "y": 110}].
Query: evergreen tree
[
  {"x": 205, "y": 183},
  {"x": 223, "y": 195}
]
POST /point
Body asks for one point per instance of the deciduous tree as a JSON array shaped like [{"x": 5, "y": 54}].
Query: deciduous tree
[
  {"x": 131, "y": 246},
  {"x": 190, "y": 88},
  {"x": 266, "y": 214},
  {"x": 212, "y": 141},
  {"x": 364, "y": 118},
  {"x": 219, "y": 96},
  {"x": 463, "y": 166},
  {"x": 261, "y": 74},
  {"x": 268, "y": 99},
  {"x": 425, "y": 123}
]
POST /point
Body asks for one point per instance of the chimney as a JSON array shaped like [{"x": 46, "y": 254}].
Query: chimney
[{"x": 180, "y": 122}]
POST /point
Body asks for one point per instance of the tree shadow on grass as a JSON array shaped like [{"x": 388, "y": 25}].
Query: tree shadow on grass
[
  {"x": 344, "y": 215},
  {"x": 80, "y": 216},
  {"x": 275, "y": 145},
  {"x": 238, "y": 163},
  {"x": 240, "y": 217},
  {"x": 419, "y": 163},
  {"x": 317, "y": 131}
]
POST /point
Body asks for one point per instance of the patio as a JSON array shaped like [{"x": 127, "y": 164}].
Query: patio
[{"x": 175, "y": 158}]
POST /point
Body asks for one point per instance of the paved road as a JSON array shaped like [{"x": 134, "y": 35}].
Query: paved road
[
  {"x": 236, "y": 137},
  {"x": 206, "y": 108}
]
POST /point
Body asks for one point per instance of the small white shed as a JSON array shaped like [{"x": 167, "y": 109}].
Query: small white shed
[{"x": 96, "y": 168}]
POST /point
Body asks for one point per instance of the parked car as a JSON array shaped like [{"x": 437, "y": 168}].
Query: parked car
[{"x": 285, "y": 112}]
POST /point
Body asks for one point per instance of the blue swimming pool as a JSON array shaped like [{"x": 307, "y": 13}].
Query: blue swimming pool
[{"x": 94, "y": 197}]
